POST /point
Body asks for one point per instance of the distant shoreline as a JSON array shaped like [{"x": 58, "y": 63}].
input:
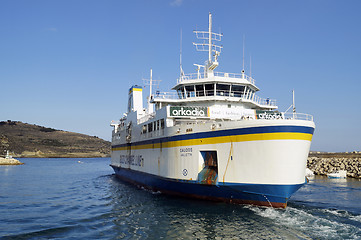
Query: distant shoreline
[
  {"x": 57, "y": 155},
  {"x": 335, "y": 154},
  {"x": 61, "y": 157}
]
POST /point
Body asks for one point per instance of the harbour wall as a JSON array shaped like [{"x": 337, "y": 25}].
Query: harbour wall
[
  {"x": 322, "y": 164},
  {"x": 9, "y": 161}
]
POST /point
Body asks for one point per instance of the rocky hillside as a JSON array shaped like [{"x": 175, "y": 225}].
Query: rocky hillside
[{"x": 27, "y": 140}]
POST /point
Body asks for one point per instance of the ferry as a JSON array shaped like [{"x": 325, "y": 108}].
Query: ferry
[{"x": 212, "y": 138}]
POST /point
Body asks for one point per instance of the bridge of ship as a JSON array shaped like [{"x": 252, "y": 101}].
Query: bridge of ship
[{"x": 211, "y": 86}]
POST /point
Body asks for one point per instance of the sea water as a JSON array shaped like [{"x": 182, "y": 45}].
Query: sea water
[{"x": 82, "y": 199}]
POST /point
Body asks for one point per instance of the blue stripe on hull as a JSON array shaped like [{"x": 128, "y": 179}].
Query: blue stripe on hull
[
  {"x": 227, "y": 132},
  {"x": 256, "y": 194}
]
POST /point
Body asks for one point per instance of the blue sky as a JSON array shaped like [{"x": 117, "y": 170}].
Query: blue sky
[{"x": 68, "y": 64}]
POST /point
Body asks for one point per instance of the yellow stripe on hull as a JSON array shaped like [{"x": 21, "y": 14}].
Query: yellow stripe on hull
[{"x": 224, "y": 139}]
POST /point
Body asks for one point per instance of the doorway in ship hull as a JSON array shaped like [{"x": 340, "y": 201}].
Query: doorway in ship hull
[{"x": 209, "y": 174}]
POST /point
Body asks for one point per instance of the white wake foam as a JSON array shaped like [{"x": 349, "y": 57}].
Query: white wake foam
[{"x": 314, "y": 224}]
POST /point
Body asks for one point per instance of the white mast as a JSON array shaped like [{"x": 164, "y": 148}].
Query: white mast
[
  {"x": 243, "y": 56},
  {"x": 150, "y": 106},
  {"x": 150, "y": 82},
  {"x": 250, "y": 66},
  {"x": 180, "y": 56},
  {"x": 293, "y": 103},
  {"x": 209, "y": 47},
  {"x": 210, "y": 39}
]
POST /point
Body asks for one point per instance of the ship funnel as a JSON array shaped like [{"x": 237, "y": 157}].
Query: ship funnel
[{"x": 135, "y": 99}]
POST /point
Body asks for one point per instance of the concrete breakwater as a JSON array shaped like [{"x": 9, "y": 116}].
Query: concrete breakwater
[
  {"x": 9, "y": 161},
  {"x": 322, "y": 165}
]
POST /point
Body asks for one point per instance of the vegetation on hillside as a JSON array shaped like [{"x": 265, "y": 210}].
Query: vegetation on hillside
[{"x": 28, "y": 140}]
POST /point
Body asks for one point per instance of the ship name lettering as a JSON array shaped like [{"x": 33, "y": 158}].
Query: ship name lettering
[
  {"x": 134, "y": 160},
  {"x": 186, "y": 155},
  {"x": 185, "y": 150}
]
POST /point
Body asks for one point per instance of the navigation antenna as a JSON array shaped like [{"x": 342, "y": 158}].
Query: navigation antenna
[
  {"x": 243, "y": 56},
  {"x": 293, "y": 101},
  {"x": 209, "y": 47},
  {"x": 150, "y": 82},
  {"x": 293, "y": 105},
  {"x": 180, "y": 56},
  {"x": 250, "y": 65}
]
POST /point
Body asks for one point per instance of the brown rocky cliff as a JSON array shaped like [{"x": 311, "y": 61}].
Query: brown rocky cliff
[{"x": 28, "y": 140}]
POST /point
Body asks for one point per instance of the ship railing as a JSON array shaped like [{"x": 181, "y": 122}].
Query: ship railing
[
  {"x": 258, "y": 100},
  {"x": 194, "y": 76},
  {"x": 285, "y": 116},
  {"x": 166, "y": 95},
  {"x": 196, "y": 94},
  {"x": 298, "y": 116},
  {"x": 178, "y": 122},
  {"x": 191, "y": 76}
]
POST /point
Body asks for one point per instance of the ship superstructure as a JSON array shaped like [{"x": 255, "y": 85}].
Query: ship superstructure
[{"x": 212, "y": 138}]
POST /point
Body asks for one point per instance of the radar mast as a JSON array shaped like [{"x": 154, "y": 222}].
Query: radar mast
[{"x": 209, "y": 47}]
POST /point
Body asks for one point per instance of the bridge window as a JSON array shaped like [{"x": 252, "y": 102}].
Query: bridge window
[
  {"x": 209, "y": 89},
  {"x": 223, "y": 89},
  {"x": 237, "y": 90},
  {"x": 144, "y": 129},
  {"x": 199, "y": 90},
  {"x": 180, "y": 92},
  {"x": 190, "y": 91},
  {"x": 150, "y": 127},
  {"x": 162, "y": 123},
  {"x": 157, "y": 125}
]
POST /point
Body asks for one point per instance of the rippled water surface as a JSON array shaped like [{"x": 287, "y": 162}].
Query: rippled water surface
[{"x": 82, "y": 199}]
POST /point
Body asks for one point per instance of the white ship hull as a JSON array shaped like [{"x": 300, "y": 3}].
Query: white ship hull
[{"x": 260, "y": 162}]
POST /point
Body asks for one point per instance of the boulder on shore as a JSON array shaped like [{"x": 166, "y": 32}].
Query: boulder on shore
[
  {"x": 326, "y": 164},
  {"x": 9, "y": 161}
]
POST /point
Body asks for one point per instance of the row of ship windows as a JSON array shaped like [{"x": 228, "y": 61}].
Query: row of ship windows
[
  {"x": 153, "y": 126},
  {"x": 212, "y": 90}
]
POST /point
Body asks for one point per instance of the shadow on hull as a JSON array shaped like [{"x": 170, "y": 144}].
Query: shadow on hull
[{"x": 275, "y": 196}]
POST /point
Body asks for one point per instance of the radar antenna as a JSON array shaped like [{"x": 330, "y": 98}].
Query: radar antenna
[
  {"x": 209, "y": 47},
  {"x": 198, "y": 68}
]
